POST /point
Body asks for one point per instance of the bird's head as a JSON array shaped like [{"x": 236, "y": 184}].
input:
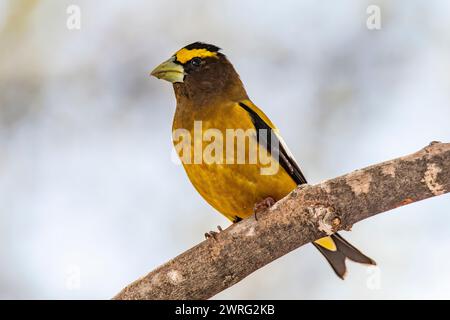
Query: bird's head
[{"x": 200, "y": 68}]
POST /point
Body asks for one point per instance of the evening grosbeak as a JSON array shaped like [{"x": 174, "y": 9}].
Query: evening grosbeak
[{"x": 208, "y": 89}]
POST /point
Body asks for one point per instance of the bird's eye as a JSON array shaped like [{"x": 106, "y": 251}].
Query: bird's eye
[{"x": 196, "y": 61}]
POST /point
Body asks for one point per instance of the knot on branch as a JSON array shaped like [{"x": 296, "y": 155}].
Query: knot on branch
[{"x": 327, "y": 219}]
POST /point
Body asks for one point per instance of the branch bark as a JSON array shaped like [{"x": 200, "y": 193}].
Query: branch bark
[{"x": 306, "y": 214}]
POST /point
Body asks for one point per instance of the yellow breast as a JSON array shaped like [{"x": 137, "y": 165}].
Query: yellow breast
[{"x": 230, "y": 186}]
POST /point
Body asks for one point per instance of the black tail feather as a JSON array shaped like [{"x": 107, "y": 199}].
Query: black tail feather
[{"x": 343, "y": 250}]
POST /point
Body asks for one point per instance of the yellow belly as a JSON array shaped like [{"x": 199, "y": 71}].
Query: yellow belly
[{"x": 232, "y": 189}]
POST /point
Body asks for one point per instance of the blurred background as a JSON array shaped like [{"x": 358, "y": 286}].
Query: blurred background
[{"x": 90, "y": 198}]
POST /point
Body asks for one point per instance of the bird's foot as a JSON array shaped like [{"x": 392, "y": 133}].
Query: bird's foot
[
  {"x": 263, "y": 206},
  {"x": 213, "y": 234}
]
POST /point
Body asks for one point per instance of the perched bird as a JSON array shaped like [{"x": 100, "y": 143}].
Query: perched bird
[{"x": 208, "y": 89}]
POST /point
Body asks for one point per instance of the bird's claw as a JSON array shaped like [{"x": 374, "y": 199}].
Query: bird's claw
[
  {"x": 213, "y": 234},
  {"x": 263, "y": 206}
]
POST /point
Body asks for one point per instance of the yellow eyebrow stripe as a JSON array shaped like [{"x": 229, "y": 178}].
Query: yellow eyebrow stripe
[{"x": 184, "y": 55}]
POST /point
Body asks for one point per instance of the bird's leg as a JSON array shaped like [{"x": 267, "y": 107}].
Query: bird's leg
[
  {"x": 263, "y": 206},
  {"x": 213, "y": 234}
]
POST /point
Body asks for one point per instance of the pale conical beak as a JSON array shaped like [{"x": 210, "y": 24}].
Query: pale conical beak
[{"x": 169, "y": 71}]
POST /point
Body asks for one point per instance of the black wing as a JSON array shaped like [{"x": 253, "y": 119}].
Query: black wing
[{"x": 286, "y": 159}]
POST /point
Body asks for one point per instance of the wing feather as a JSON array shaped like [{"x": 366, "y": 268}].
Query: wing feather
[{"x": 286, "y": 159}]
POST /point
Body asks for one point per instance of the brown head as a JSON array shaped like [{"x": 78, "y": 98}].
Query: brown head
[{"x": 201, "y": 74}]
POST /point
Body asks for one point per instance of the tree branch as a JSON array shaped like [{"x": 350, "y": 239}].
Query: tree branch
[{"x": 306, "y": 214}]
